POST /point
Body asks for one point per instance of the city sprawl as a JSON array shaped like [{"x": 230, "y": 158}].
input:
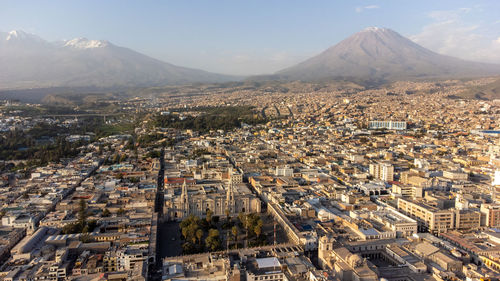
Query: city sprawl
[{"x": 238, "y": 182}]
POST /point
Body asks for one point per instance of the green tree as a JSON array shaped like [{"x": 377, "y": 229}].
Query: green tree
[
  {"x": 82, "y": 212},
  {"x": 250, "y": 222},
  {"x": 260, "y": 223},
  {"x": 106, "y": 213},
  {"x": 91, "y": 225},
  {"x": 188, "y": 248},
  {"x": 120, "y": 212},
  {"x": 234, "y": 231},
  {"x": 258, "y": 230},
  {"x": 209, "y": 216},
  {"x": 190, "y": 228},
  {"x": 242, "y": 219},
  {"x": 212, "y": 242},
  {"x": 199, "y": 235},
  {"x": 227, "y": 214}
]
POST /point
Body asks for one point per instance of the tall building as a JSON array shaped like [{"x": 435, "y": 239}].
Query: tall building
[
  {"x": 491, "y": 214},
  {"x": 184, "y": 200},
  {"x": 382, "y": 171},
  {"x": 467, "y": 219}
]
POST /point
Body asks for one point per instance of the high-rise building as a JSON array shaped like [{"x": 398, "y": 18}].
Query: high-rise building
[
  {"x": 382, "y": 171},
  {"x": 491, "y": 214}
]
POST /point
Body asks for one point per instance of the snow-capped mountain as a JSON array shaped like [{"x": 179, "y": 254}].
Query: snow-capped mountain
[
  {"x": 19, "y": 35},
  {"x": 28, "y": 61},
  {"x": 84, "y": 43}
]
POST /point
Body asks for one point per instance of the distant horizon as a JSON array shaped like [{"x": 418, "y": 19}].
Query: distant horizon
[{"x": 258, "y": 37}]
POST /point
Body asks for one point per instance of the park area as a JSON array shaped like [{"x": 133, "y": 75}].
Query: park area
[{"x": 197, "y": 235}]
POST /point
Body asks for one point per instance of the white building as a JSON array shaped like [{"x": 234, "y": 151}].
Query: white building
[
  {"x": 284, "y": 172},
  {"x": 496, "y": 179},
  {"x": 265, "y": 269},
  {"x": 390, "y": 125},
  {"x": 403, "y": 225}
]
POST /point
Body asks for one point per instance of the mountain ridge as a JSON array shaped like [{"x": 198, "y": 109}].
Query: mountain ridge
[
  {"x": 31, "y": 62},
  {"x": 382, "y": 54},
  {"x": 370, "y": 57}
]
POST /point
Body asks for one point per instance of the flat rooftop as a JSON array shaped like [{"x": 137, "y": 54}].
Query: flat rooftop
[{"x": 268, "y": 262}]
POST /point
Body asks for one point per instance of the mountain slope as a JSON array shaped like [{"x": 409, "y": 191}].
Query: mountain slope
[
  {"x": 382, "y": 54},
  {"x": 490, "y": 91},
  {"x": 29, "y": 61}
]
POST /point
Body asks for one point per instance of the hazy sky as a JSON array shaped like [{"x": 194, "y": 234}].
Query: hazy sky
[{"x": 257, "y": 36}]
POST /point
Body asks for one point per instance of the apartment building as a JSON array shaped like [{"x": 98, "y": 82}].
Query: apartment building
[
  {"x": 491, "y": 214},
  {"x": 429, "y": 217},
  {"x": 467, "y": 219},
  {"x": 382, "y": 171}
]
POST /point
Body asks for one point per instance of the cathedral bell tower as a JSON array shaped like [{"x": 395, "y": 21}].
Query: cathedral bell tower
[
  {"x": 230, "y": 203},
  {"x": 185, "y": 200}
]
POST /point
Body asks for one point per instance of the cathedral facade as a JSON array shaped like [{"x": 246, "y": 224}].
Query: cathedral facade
[{"x": 221, "y": 200}]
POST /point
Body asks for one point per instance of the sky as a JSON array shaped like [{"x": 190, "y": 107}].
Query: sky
[{"x": 257, "y": 36}]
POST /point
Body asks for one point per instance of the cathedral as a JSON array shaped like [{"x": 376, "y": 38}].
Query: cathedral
[{"x": 197, "y": 199}]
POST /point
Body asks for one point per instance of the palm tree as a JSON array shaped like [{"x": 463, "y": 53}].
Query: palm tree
[
  {"x": 209, "y": 216},
  {"x": 199, "y": 235},
  {"x": 257, "y": 230},
  {"x": 212, "y": 241},
  {"x": 234, "y": 230}
]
